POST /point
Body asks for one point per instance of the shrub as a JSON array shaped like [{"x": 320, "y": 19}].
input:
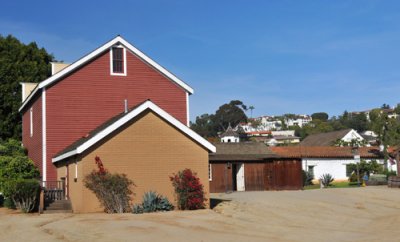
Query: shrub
[
  {"x": 307, "y": 178},
  {"x": 113, "y": 190},
  {"x": 377, "y": 179},
  {"x": 326, "y": 179},
  {"x": 189, "y": 190},
  {"x": 8, "y": 203},
  {"x": 353, "y": 177},
  {"x": 364, "y": 167},
  {"x": 23, "y": 193},
  {"x": 390, "y": 173},
  {"x": 14, "y": 164},
  {"x": 152, "y": 202}
]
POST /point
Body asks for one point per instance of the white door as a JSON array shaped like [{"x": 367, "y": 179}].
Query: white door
[{"x": 240, "y": 177}]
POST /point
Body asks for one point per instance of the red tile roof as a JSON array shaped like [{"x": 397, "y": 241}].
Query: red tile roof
[
  {"x": 258, "y": 132},
  {"x": 325, "y": 152}
]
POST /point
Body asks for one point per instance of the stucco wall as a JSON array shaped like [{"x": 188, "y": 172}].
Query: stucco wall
[
  {"x": 148, "y": 150},
  {"x": 334, "y": 166}
]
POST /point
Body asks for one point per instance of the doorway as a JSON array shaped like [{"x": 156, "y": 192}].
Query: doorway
[{"x": 238, "y": 177}]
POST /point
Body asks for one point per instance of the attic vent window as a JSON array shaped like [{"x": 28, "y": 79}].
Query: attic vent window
[{"x": 118, "y": 61}]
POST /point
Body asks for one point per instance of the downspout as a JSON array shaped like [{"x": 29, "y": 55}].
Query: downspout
[
  {"x": 187, "y": 109},
  {"x": 44, "y": 141}
]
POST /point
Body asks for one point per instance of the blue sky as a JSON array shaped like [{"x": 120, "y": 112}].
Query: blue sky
[{"x": 279, "y": 56}]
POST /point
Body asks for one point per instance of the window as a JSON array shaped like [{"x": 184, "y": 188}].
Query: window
[
  {"x": 118, "y": 61},
  {"x": 209, "y": 172},
  {"x": 349, "y": 170},
  {"x": 31, "y": 122},
  {"x": 311, "y": 170}
]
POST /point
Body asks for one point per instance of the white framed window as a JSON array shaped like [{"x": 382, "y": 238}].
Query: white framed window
[
  {"x": 209, "y": 172},
  {"x": 118, "y": 61},
  {"x": 31, "y": 122}
]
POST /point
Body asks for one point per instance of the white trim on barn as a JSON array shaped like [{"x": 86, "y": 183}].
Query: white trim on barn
[{"x": 44, "y": 135}]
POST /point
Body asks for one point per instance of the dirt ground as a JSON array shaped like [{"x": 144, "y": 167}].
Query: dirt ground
[{"x": 348, "y": 214}]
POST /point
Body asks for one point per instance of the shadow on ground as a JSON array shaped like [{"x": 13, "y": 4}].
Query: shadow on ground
[{"x": 215, "y": 201}]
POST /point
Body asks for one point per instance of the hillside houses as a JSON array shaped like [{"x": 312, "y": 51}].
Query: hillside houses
[
  {"x": 297, "y": 120},
  {"x": 390, "y": 112},
  {"x": 269, "y": 123},
  {"x": 334, "y": 138}
]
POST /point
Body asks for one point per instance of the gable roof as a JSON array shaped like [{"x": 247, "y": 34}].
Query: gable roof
[
  {"x": 116, "y": 122},
  {"x": 324, "y": 139},
  {"x": 325, "y": 152},
  {"x": 229, "y": 132},
  {"x": 241, "y": 151},
  {"x": 117, "y": 40}
]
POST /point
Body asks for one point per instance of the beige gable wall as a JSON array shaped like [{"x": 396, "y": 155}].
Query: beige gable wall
[
  {"x": 27, "y": 88},
  {"x": 148, "y": 150},
  {"x": 57, "y": 67}
]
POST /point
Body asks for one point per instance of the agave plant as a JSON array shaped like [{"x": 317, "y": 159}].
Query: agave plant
[
  {"x": 152, "y": 202},
  {"x": 326, "y": 179}
]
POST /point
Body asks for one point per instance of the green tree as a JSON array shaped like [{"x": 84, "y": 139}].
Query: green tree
[
  {"x": 357, "y": 121},
  {"x": 231, "y": 113},
  {"x": 18, "y": 63},
  {"x": 397, "y": 109},
  {"x": 251, "y": 108},
  {"x": 14, "y": 164},
  {"x": 320, "y": 116},
  {"x": 204, "y": 125},
  {"x": 377, "y": 122}
]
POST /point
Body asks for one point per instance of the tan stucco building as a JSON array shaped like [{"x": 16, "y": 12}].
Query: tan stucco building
[{"x": 146, "y": 143}]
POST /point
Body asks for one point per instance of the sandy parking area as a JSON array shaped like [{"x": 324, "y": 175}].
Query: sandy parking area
[{"x": 349, "y": 214}]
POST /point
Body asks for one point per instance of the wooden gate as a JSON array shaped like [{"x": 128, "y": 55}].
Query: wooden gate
[
  {"x": 283, "y": 175},
  {"x": 221, "y": 178},
  {"x": 254, "y": 176}
]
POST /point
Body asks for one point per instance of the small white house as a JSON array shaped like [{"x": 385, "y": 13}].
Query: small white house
[
  {"x": 299, "y": 120},
  {"x": 321, "y": 160},
  {"x": 230, "y": 136},
  {"x": 331, "y": 138}
]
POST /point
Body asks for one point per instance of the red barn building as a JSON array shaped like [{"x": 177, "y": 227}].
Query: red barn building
[{"x": 74, "y": 101}]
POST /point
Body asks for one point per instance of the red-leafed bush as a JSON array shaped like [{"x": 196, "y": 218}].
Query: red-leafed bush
[
  {"x": 113, "y": 190},
  {"x": 189, "y": 190}
]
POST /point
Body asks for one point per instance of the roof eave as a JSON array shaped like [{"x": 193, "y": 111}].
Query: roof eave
[{"x": 132, "y": 114}]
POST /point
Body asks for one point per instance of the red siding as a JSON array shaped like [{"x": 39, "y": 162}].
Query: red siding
[
  {"x": 33, "y": 144},
  {"x": 90, "y": 96}
]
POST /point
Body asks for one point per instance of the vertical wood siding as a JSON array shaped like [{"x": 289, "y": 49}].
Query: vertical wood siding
[
  {"x": 221, "y": 178},
  {"x": 88, "y": 97},
  {"x": 254, "y": 176},
  {"x": 260, "y": 176},
  {"x": 286, "y": 175}
]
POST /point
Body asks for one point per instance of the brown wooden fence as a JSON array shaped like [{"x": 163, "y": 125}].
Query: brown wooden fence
[{"x": 284, "y": 174}]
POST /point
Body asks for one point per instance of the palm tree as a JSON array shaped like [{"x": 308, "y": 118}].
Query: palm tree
[{"x": 251, "y": 111}]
